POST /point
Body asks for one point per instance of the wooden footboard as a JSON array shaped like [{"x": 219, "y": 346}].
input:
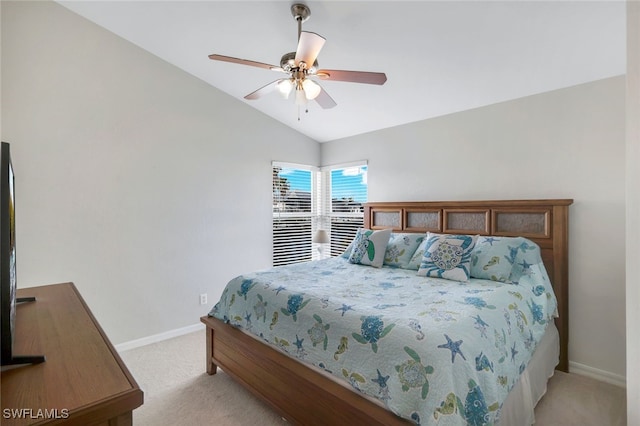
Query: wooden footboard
[
  {"x": 212, "y": 367},
  {"x": 299, "y": 393}
]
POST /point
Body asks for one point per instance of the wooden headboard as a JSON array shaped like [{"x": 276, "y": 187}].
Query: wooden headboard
[{"x": 546, "y": 222}]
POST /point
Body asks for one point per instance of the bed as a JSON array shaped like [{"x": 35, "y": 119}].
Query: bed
[{"x": 286, "y": 372}]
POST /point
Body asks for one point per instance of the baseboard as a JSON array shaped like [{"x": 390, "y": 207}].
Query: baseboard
[
  {"x": 158, "y": 337},
  {"x": 597, "y": 374}
]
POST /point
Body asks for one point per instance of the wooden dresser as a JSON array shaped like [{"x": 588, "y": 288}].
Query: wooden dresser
[{"x": 83, "y": 380}]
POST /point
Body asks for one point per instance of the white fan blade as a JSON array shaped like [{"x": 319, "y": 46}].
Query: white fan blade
[
  {"x": 324, "y": 100},
  {"x": 264, "y": 90}
]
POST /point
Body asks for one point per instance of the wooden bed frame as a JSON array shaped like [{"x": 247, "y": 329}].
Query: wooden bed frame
[{"x": 305, "y": 395}]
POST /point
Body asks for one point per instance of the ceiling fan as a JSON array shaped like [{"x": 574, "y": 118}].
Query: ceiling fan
[{"x": 302, "y": 66}]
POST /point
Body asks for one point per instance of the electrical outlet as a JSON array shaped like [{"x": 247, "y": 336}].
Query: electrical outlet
[{"x": 203, "y": 299}]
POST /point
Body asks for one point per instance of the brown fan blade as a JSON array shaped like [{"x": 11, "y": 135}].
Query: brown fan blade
[
  {"x": 233, "y": 60},
  {"x": 309, "y": 47},
  {"x": 324, "y": 100},
  {"x": 264, "y": 90},
  {"x": 353, "y": 76}
]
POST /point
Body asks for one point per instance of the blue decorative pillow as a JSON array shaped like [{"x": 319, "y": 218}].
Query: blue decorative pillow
[
  {"x": 524, "y": 255},
  {"x": 447, "y": 256},
  {"x": 493, "y": 258},
  {"x": 347, "y": 252},
  {"x": 416, "y": 259},
  {"x": 400, "y": 249},
  {"x": 369, "y": 247}
]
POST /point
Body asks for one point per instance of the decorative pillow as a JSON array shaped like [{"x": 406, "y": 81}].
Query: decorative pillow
[
  {"x": 447, "y": 256},
  {"x": 347, "y": 252},
  {"x": 416, "y": 259},
  {"x": 400, "y": 249},
  {"x": 369, "y": 247},
  {"x": 493, "y": 258},
  {"x": 524, "y": 255}
]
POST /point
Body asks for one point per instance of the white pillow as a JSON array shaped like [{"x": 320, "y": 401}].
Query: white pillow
[
  {"x": 493, "y": 258},
  {"x": 416, "y": 259},
  {"x": 369, "y": 247},
  {"x": 400, "y": 249}
]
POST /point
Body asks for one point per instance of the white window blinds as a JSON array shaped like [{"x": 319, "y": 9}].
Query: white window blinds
[
  {"x": 305, "y": 200},
  {"x": 344, "y": 198},
  {"x": 294, "y": 208}
]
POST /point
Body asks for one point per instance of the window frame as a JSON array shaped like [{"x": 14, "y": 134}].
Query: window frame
[{"x": 320, "y": 216}]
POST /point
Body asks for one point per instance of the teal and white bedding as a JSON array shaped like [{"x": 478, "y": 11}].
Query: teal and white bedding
[{"x": 432, "y": 350}]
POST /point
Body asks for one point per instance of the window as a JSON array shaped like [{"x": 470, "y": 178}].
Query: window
[
  {"x": 306, "y": 199},
  {"x": 343, "y": 206},
  {"x": 293, "y": 212}
]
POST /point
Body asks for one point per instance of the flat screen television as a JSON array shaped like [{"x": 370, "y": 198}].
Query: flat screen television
[{"x": 8, "y": 282}]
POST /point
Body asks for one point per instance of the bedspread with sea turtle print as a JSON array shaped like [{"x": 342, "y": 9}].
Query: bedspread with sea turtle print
[{"x": 432, "y": 350}]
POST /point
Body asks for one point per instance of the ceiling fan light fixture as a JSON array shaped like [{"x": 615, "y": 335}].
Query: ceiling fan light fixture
[
  {"x": 284, "y": 87},
  {"x": 311, "y": 89},
  {"x": 300, "y": 65},
  {"x": 301, "y": 98}
]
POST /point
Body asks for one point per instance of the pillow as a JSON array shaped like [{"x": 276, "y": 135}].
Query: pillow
[
  {"x": 400, "y": 249},
  {"x": 524, "y": 255},
  {"x": 416, "y": 259},
  {"x": 347, "y": 252},
  {"x": 493, "y": 258},
  {"x": 369, "y": 247},
  {"x": 447, "y": 256}
]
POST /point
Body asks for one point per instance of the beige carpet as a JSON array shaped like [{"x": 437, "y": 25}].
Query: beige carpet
[{"x": 177, "y": 391}]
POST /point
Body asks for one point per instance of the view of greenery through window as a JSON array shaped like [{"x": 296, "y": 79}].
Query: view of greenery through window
[{"x": 306, "y": 200}]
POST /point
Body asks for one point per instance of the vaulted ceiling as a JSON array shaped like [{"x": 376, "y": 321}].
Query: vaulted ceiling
[{"x": 440, "y": 57}]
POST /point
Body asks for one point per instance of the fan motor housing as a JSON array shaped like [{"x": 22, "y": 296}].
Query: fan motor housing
[{"x": 288, "y": 63}]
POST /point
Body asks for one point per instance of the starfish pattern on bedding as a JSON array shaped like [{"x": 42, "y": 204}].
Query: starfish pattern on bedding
[
  {"x": 513, "y": 352},
  {"x": 345, "y": 308},
  {"x": 490, "y": 240},
  {"x": 381, "y": 380},
  {"x": 525, "y": 265},
  {"x": 454, "y": 347}
]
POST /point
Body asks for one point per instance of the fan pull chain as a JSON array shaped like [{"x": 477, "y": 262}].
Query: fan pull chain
[{"x": 306, "y": 111}]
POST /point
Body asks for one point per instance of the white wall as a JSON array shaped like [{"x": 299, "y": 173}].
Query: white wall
[
  {"x": 568, "y": 143},
  {"x": 633, "y": 212},
  {"x": 138, "y": 182}
]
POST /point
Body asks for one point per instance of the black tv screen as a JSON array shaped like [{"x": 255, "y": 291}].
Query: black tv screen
[
  {"x": 7, "y": 253},
  {"x": 8, "y": 282}
]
